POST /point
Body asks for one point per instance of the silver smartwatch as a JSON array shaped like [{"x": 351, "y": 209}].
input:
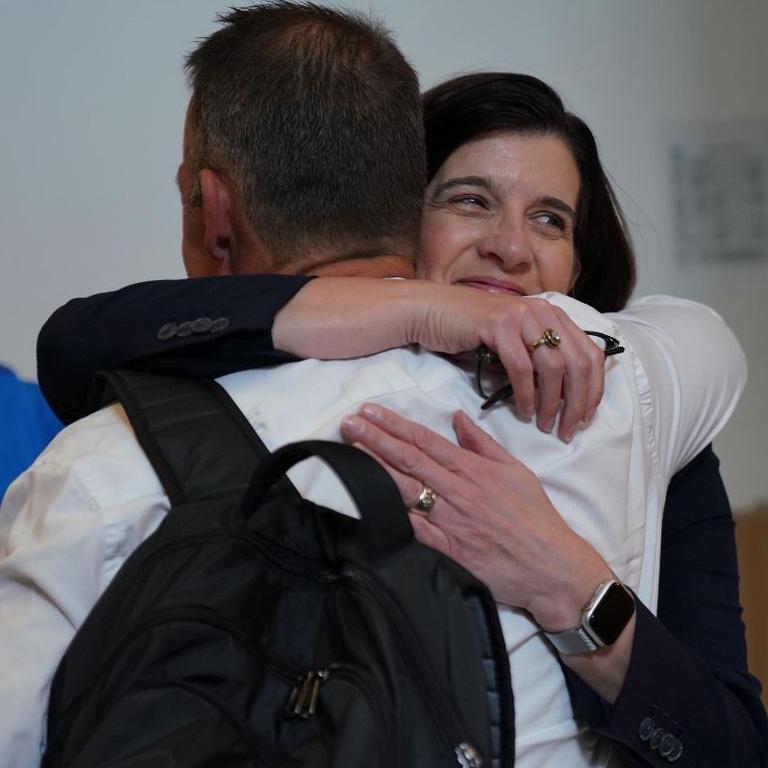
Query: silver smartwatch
[{"x": 602, "y": 620}]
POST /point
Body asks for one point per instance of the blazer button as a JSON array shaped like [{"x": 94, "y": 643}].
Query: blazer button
[
  {"x": 184, "y": 329},
  {"x": 677, "y": 751},
  {"x": 646, "y": 729},
  {"x": 202, "y": 325},
  {"x": 219, "y": 324},
  {"x": 656, "y": 737},
  {"x": 168, "y": 331},
  {"x": 666, "y": 744}
]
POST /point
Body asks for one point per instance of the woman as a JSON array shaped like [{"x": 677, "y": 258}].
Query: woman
[{"x": 580, "y": 220}]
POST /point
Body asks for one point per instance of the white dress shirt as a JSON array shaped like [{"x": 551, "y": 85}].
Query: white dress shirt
[{"x": 69, "y": 523}]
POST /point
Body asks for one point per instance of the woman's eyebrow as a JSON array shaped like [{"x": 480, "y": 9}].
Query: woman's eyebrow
[
  {"x": 556, "y": 202},
  {"x": 462, "y": 181}
]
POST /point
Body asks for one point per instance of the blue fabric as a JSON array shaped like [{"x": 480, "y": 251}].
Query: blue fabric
[{"x": 27, "y": 425}]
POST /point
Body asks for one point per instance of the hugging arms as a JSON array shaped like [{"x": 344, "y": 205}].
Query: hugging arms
[{"x": 690, "y": 658}]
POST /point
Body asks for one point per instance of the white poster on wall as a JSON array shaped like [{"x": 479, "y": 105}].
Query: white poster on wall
[{"x": 719, "y": 181}]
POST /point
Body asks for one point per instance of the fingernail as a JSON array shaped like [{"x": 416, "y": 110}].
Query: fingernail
[
  {"x": 590, "y": 415},
  {"x": 568, "y": 436},
  {"x": 546, "y": 426},
  {"x": 371, "y": 411},
  {"x": 352, "y": 426}
]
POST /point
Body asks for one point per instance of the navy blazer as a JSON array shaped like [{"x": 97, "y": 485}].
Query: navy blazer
[{"x": 688, "y": 697}]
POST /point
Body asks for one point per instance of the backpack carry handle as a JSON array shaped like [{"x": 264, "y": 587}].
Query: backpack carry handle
[{"x": 384, "y": 516}]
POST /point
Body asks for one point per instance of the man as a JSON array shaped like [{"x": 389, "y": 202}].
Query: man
[{"x": 276, "y": 177}]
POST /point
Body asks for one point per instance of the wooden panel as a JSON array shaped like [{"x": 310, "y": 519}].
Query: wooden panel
[{"x": 752, "y": 543}]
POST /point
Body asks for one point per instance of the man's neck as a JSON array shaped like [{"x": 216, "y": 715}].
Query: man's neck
[{"x": 379, "y": 266}]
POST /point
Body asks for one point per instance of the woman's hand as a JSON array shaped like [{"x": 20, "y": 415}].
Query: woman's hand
[
  {"x": 571, "y": 375},
  {"x": 492, "y": 515},
  {"x": 336, "y": 318}
]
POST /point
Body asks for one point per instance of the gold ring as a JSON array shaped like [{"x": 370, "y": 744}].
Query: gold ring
[
  {"x": 550, "y": 338},
  {"x": 427, "y": 499}
]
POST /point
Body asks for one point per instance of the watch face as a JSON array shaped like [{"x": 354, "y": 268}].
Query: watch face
[{"x": 609, "y": 617}]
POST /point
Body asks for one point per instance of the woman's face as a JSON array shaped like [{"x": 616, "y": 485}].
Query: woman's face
[{"x": 499, "y": 215}]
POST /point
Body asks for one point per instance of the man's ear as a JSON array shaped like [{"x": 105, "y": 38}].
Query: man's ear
[{"x": 217, "y": 218}]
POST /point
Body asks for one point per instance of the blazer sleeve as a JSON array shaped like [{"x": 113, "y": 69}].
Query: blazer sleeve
[
  {"x": 198, "y": 327},
  {"x": 688, "y": 697}
]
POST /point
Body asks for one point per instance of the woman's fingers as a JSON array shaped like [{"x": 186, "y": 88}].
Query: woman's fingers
[
  {"x": 430, "y": 535},
  {"x": 597, "y": 377},
  {"x": 424, "y": 528},
  {"x": 551, "y": 364},
  {"x": 419, "y": 443},
  {"x": 584, "y": 380},
  {"x": 551, "y": 370},
  {"x": 410, "y": 488},
  {"x": 576, "y": 366},
  {"x": 513, "y": 356},
  {"x": 511, "y": 328},
  {"x": 576, "y": 382},
  {"x": 473, "y": 438},
  {"x": 409, "y": 463}
]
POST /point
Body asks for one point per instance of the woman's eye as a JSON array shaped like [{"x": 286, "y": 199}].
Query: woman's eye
[
  {"x": 550, "y": 220},
  {"x": 469, "y": 201}
]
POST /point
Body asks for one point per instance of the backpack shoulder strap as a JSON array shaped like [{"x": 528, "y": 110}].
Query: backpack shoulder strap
[{"x": 196, "y": 438}]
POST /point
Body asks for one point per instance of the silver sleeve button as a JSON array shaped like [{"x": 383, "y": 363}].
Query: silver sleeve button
[
  {"x": 646, "y": 728},
  {"x": 168, "y": 331},
  {"x": 202, "y": 325}
]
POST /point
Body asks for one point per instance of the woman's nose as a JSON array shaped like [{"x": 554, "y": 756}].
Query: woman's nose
[{"x": 509, "y": 248}]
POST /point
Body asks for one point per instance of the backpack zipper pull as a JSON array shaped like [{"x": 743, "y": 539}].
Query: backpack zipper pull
[
  {"x": 304, "y": 696},
  {"x": 467, "y": 756},
  {"x": 314, "y": 694}
]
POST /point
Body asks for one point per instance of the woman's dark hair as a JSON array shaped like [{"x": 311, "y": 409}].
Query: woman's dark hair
[{"x": 468, "y": 107}]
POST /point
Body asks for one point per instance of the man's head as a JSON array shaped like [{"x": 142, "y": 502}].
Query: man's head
[{"x": 303, "y": 143}]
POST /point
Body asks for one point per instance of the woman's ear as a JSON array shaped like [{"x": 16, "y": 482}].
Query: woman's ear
[{"x": 217, "y": 218}]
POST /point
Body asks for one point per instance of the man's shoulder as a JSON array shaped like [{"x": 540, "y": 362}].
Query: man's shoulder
[
  {"x": 403, "y": 363},
  {"x": 355, "y": 378},
  {"x": 586, "y": 317},
  {"x": 310, "y": 398},
  {"x": 101, "y": 454},
  {"x": 107, "y": 428}
]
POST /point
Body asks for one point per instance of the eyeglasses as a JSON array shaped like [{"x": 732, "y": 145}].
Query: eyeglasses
[{"x": 485, "y": 357}]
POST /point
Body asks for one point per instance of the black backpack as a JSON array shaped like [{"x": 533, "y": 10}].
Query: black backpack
[{"x": 254, "y": 628}]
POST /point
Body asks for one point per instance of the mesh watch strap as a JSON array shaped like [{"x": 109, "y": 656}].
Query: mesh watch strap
[{"x": 572, "y": 641}]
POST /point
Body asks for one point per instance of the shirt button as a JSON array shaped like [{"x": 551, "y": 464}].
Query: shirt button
[
  {"x": 646, "y": 729},
  {"x": 184, "y": 329},
  {"x": 202, "y": 325},
  {"x": 219, "y": 324},
  {"x": 168, "y": 331},
  {"x": 677, "y": 751},
  {"x": 656, "y": 737}
]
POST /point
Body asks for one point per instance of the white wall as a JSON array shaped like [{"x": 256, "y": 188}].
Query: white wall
[{"x": 92, "y": 100}]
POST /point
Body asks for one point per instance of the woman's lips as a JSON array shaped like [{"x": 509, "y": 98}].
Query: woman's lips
[{"x": 492, "y": 286}]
